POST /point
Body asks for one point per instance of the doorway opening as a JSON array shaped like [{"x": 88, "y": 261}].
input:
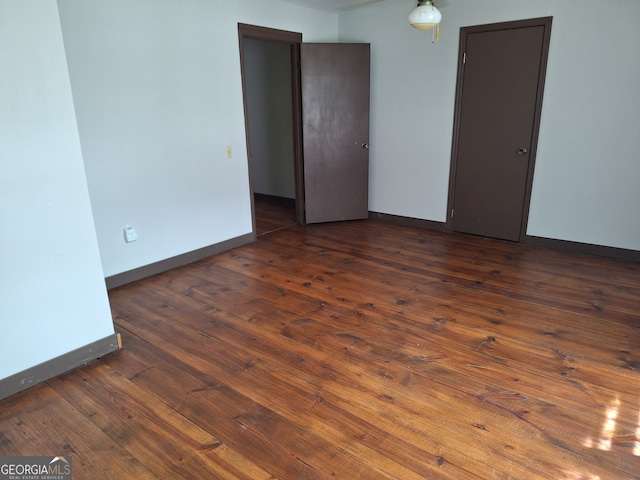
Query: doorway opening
[
  {"x": 329, "y": 93},
  {"x": 271, "y": 90}
]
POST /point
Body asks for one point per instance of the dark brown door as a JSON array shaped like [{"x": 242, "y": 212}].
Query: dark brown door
[
  {"x": 335, "y": 126},
  {"x": 498, "y": 111}
]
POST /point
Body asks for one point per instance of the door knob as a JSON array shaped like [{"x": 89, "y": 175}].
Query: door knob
[
  {"x": 522, "y": 151},
  {"x": 365, "y": 145}
]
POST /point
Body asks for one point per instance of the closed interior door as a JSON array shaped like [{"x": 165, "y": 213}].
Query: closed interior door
[
  {"x": 335, "y": 125},
  {"x": 499, "y": 102}
]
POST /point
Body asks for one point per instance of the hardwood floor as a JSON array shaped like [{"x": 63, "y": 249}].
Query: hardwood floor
[
  {"x": 358, "y": 350},
  {"x": 273, "y": 213}
]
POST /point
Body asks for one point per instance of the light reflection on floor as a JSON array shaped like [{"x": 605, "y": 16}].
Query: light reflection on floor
[
  {"x": 580, "y": 476},
  {"x": 636, "y": 448},
  {"x": 609, "y": 426},
  {"x": 607, "y": 436}
]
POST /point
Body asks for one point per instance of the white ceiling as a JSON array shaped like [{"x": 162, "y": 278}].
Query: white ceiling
[
  {"x": 337, "y": 6},
  {"x": 333, "y": 5}
]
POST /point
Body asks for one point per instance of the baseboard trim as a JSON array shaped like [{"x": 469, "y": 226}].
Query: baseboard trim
[
  {"x": 58, "y": 365},
  {"x": 586, "y": 248},
  {"x": 564, "y": 245},
  {"x": 177, "y": 261},
  {"x": 408, "y": 221}
]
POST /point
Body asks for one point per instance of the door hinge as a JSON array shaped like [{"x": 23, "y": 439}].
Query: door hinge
[
  {"x": 452, "y": 213},
  {"x": 464, "y": 58}
]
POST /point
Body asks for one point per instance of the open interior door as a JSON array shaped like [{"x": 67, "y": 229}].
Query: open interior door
[{"x": 335, "y": 129}]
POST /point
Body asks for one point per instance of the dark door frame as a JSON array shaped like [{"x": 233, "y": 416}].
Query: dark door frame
[
  {"x": 464, "y": 32},
  {"x": 293, "y": 39}
]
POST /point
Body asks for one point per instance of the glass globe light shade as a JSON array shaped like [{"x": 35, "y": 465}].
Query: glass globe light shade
[{"x": 425, "y": 16}]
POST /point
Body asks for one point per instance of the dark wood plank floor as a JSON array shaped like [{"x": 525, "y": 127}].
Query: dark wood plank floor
[
  {"x": 358, "y": 350},
  {"x": 273, "y": 213}
]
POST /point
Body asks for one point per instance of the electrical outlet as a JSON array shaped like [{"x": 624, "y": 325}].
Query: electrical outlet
[
  {"x": 130, "y": 235},
  {"x": 228, "y": 152}
]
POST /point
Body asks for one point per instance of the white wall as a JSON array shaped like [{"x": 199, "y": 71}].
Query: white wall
[
  {"x": 158, "y": 96},
  {"x": 270, "y": 112},
  {"x": 587, "y": 170},
  {"x": 52, "y": 293},
  {"x": 586, "y": 186}
]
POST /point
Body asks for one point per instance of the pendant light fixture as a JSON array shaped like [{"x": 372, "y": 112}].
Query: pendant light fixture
[{"x": 425, "y": 17}]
